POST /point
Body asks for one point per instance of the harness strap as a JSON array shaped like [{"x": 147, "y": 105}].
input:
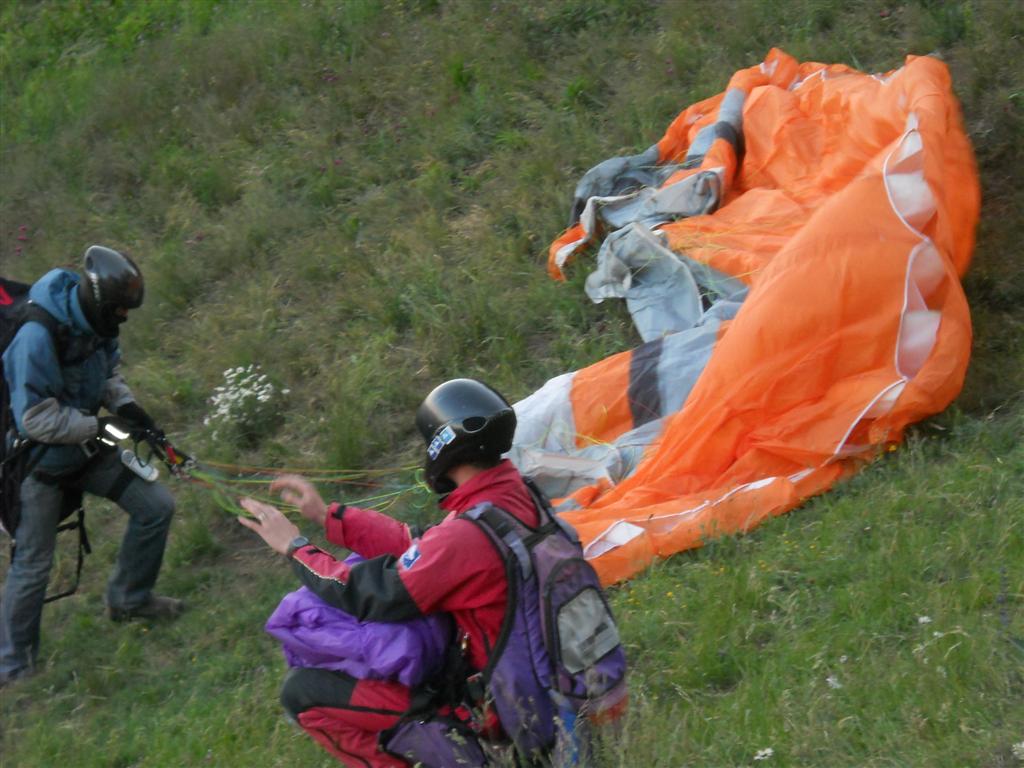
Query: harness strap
[
  {"x": 449, "y": 687},
  {"x": 498, "y": 521},
  {"x": 83, "y": 549},
  {"x": 545, "y": 506},
  {"x": 121, "y": 484},
  {"x": 71, "y": 349}
]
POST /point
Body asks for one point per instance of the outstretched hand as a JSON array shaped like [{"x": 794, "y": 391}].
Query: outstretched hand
[
  {"x": 271, "y": 525},
  {"x": 300, "y": 492}
]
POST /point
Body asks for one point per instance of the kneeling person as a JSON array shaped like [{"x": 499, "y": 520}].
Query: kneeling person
[{"x": 452, "y": 567}]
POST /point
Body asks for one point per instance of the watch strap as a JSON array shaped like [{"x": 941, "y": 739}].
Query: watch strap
[{"x": 296, "y": 544}]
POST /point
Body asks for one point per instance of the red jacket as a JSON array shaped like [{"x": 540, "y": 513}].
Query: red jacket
[{"x": 453, "y": 567}]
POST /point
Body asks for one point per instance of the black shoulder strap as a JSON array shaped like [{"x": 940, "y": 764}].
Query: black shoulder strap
[
  {"x": 503, "y": 528},
  {"x": 514, "y": 534},
  {"x": 27, "y": 312},
  {"x": 547, "y": 511},
  {"x": 32, "y": 312}
]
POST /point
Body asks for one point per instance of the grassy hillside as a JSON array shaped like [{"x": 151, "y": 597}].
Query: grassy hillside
[{"x": 357, "y": 197}]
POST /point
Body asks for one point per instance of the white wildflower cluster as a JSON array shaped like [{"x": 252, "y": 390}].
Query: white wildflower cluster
[
  {"x": 247, "y": 402},
  {"x": 764, "y": 754},
  {"x": 1018, "y": 751}
]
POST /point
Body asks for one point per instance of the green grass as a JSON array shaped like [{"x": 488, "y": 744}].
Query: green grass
[
  {"x": 902, "y": 589},
  {"x": 358, "y": 196}
]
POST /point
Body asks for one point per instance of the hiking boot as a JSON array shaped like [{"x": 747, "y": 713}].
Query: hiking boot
[
  {"x": 12, "y": 677},
  {"x": 156, "y": 607}
]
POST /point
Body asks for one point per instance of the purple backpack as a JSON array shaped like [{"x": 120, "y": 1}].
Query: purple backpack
[{"x": 558, "y": 664}]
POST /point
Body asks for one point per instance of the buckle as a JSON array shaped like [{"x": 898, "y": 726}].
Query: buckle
[
  {"x": 90, "y": 448},
  {"x": 475, "y": 689}
]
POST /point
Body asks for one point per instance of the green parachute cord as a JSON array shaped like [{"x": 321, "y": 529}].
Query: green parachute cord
[{"x": 226, "y": 488}]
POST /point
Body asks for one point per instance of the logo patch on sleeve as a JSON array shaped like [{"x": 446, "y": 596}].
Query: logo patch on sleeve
[{"x": 411, "y": 555}]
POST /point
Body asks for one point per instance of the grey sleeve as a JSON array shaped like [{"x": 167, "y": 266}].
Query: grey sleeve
[
  {"x": 50, "y": 422},
  {"x": 116, "y": 392}
]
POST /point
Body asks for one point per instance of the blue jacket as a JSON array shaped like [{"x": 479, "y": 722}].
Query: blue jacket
[{"x": 54, "y": 403}]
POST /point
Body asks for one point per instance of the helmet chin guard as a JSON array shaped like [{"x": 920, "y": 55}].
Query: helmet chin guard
[{"x": 463, "y": 421}]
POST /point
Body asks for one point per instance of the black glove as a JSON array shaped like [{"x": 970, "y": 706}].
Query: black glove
[
  {"x": 142, "y": 421},
  {"x": 110, "y": 429}
]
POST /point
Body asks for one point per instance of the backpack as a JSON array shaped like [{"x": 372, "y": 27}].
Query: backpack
[
  {"x": 560, "y": 627},
  {"x": 17, "y": 458},
  {"x": 558, "y": 665}
]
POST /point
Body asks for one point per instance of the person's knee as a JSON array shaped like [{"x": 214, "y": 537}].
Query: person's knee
[
  {"x": 164, "y": 504},
  {"x": 307, "y": 687},
  {"x": 157, "y": 507},
  {"x": 294, "y": 698},
  {"x": 31, "y": 571}
]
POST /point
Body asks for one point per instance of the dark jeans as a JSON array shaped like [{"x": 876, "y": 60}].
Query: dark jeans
[{"x": 150, "y": 507}]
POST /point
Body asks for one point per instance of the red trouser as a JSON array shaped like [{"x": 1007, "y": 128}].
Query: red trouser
[{"x": 346, "y": 715}]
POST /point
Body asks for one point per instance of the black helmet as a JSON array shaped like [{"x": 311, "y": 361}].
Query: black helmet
[
  {"x": 463, "y": 420},
  {"x": 110, "y": 281}
]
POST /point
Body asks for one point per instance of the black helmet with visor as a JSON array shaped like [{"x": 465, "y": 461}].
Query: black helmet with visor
[
  {"x": 463, "y": 421},
  {"x": 111, "y": 285}
]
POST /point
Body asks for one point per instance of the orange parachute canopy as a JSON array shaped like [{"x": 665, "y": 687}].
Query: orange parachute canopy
[{"x": 791, "y": 252}]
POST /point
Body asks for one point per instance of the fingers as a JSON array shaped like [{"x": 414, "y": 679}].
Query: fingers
[
  {"x": 269, "y": 524},
  {"x": 292, "y": 483},
  {"x": 250, "y": 524},
  {"x": 262, "y": 512},
  {"x": 301, "y": 493},
  {"x": 252, "y": 506}
]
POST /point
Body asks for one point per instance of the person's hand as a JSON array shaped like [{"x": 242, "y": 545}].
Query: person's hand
[
  {"x": 272, "y": 526},
  {"x": 110, "y": 429},
  {"x": 300, "y": 492},
  {"x": 136, "y": 414}
]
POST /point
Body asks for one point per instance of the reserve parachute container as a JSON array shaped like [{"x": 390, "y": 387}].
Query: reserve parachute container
[{"x": 791, "y": 253}]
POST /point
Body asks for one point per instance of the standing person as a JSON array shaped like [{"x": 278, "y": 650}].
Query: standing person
[
  {"x": 57, "y": 390},
  {"x": 452, "y": 568}
]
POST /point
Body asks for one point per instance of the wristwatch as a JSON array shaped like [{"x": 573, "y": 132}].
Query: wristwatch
[{"x": 297, "y": 543}]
